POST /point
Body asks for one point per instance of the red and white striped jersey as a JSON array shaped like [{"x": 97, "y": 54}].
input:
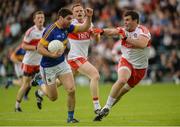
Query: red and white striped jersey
[
  {"x": 79, "y": 43},
  {"x": 138, "y": 57},
  {"x": 32, "y": 37}
]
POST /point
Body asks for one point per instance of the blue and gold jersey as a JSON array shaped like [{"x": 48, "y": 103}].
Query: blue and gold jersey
[
  {"x": 55, "y": 32},
  {"x": 19, "y": 53}
]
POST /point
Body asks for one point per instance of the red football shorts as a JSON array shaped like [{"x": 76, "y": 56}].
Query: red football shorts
[
  {"x": 136, "y": 74},
  {"x": 30, "y": 70},
  {"x": 76, "y": 63}
]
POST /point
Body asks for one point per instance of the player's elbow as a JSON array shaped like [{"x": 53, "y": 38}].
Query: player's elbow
[
  {"x": 142, "y": 46},
  {"x": 23, "y": 46},
  {"x": 83, "y": 29}
]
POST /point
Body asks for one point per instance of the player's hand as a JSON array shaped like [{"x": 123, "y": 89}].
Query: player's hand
[
  {"x": 89, "y": 12},
  {"x": 97, "y": 31},
  {"x": 56, "y": 54},
  {"x": 122, "y": 32}
]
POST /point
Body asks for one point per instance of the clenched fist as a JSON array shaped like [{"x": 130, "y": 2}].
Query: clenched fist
[{"x": 89, "y": 12}]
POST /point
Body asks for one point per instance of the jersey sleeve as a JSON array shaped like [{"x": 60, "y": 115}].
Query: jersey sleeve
[
  {"x": 73, "y": 28},
  {"x": 28, "y": 36},
  {"x": 47, "y": 37},
  {"x": 145, "y": 32}
]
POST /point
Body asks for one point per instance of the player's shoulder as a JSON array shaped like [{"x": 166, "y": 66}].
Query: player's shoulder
[
  {"x": 144, "y": 29},
  {"x": 49, "y": 29},
  {"x": 74, "y": 22},
  {"x": 29, "y": 31}
]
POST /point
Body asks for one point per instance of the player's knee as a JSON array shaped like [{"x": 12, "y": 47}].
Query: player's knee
[
  {"x": 96, "y": 77},
  {"x": 71, "y": 90},
  {"x": 122, "y": 81},
  {"x": 53, "y": 98}
]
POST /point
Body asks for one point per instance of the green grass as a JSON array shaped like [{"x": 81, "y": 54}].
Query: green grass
[{"x": 143, "y": 106}]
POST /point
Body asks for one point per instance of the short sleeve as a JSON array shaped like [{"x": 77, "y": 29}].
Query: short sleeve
[
  {"x": 28, "y": 36},
  {"x": 73, "y": 28},
  {"x": 145, "y": 32},
  {"x": 47, "y": 37}
]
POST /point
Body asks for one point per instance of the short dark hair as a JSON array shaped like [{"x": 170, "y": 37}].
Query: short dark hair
[
  {"x": 64, "y": 12},
  {"x": 134, "y": 15},
  {"x": 37, "y": 13}
]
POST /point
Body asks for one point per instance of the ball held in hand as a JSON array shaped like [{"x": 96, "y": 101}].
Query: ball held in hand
[{"x": 55, "y": 45}]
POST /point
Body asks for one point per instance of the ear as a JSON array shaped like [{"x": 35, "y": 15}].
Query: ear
[
  {"x": 34, "y": 20},
  {"x": 136, "y": 21}
]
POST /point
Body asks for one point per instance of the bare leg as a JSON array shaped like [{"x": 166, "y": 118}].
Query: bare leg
[
  {"x": 69, "y": 85},
  {"x": 68, "y": 82},
  {"x": 91, "y": 72},
  {"x": 123, "y": 76},
  {"x": 22, "y": 90},
  {"x": 116, "y": 90},
  {"x": 122, "y": 91}
]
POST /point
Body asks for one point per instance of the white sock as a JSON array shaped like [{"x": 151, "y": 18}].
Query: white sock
[
  {"x": 96, "y": 104},
  {"x": 110, "y": 102},
  {"x": 17, "y": 105},
  {"x": 40, "y": 92}
]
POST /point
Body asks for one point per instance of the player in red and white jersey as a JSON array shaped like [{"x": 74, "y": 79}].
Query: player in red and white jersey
[
  {"x": 135, "y": 41},
  {"x": 31, "y": 60},
  {"x": 77, "y": 56}
]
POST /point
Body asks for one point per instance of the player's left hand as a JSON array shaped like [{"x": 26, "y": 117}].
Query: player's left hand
[
  {"x": 89, "y": 12},
  {"x": 122, "y": 32}
]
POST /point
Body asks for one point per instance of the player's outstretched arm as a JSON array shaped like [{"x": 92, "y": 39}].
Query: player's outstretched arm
[
  {"x": 106, "y": 31},
  {"x": 86, "y": 25},
  {"x": 111, "y": 31}
]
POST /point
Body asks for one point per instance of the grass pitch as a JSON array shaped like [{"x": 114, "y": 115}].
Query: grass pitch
[{"x": 155, "y": 105}]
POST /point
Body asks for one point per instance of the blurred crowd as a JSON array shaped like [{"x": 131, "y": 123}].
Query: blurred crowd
[{"x": 162, "y": 17}]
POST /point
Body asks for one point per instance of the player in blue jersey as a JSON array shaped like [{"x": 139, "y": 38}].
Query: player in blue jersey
[
  {"x": 17, "y": 57},
  {"x": 53, "y": 64}
]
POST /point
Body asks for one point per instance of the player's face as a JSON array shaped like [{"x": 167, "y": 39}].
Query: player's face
[
  {"x": 67, "y": 20},
  {"x": 78, "y": 12},
  {"x": 129, "y": 23},
  {"x": 39, "y": 20}
]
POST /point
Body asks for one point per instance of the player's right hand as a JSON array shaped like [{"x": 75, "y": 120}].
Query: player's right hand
[
  {"x": 122, "y": 32},
  {"x": 89, "y": 12}
]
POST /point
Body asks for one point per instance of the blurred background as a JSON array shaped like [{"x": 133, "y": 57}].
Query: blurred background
[{"x": 162, "y": 17}]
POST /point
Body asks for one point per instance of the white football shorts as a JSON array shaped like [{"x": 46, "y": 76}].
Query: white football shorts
[{"x": 49, "y": 74}]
